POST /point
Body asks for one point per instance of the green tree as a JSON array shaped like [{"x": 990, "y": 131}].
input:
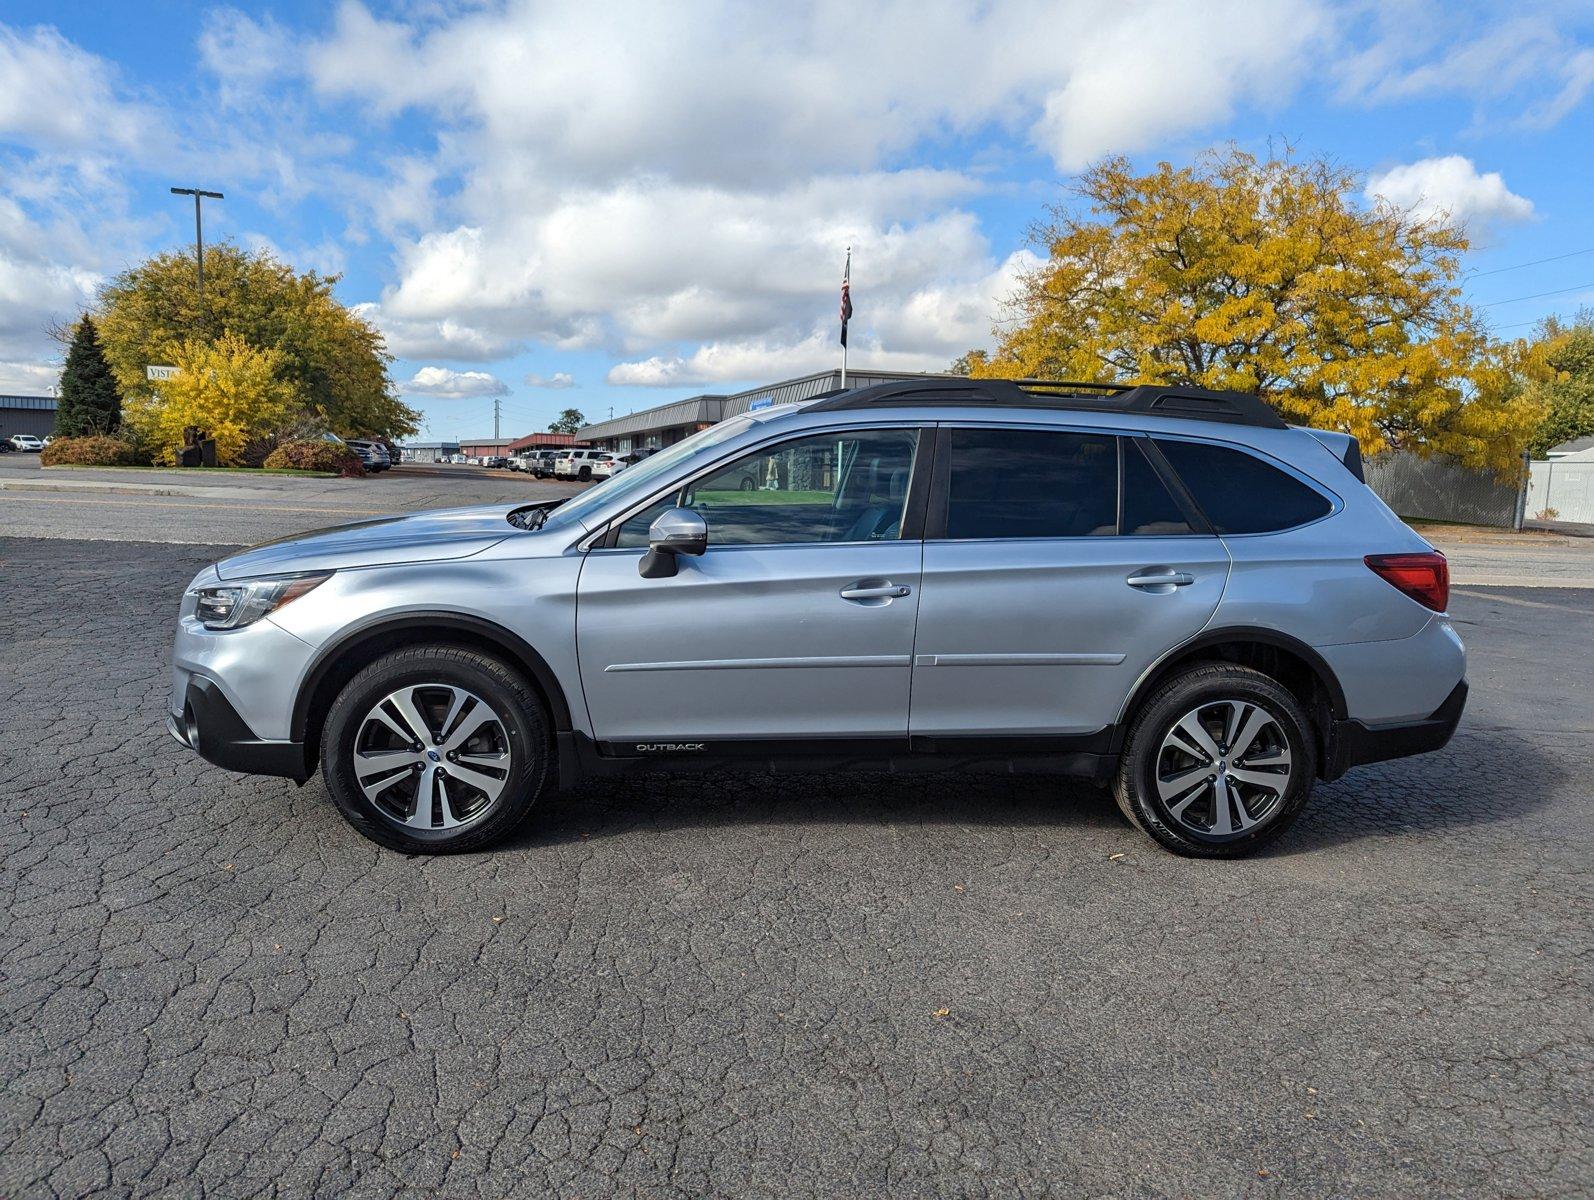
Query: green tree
[
  {"x": 1269, "y": 275},
  {"x": 568, "y": 421},
  {"x": 1566, "y": 386},
  {"x": 90, "y": 402},
  {"x": 332, "y": 358}
]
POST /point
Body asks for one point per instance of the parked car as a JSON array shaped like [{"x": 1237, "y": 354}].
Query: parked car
[
  {"x": 374, "y": 456},
  {"x": 604, "y": 465},
  {"x": 542, "y": 463},
  {"x": 26, "y": 441},
  {"x": 577, "y": 464},
  {"x": 1164, "y": 590}
]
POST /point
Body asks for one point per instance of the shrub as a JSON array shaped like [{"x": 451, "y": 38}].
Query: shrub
[
  {"x": 95, "y": 450},
  {"x": 315, "y": 456}
]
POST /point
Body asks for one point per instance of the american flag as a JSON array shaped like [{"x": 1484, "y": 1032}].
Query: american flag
[{"x": 846, "y": 298}]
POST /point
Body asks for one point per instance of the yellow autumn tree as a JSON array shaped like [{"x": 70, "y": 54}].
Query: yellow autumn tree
[
  {"x": 234, "y": 392},
  {"x": 1271, "y": 276}
]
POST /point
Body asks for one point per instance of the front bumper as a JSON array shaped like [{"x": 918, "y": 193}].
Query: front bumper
[
  {"x": 1355, "y": 743},
  {"x": 212, "y": 728}
]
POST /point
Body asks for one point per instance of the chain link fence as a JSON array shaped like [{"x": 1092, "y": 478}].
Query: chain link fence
[{"x": 1437, "y": 489}]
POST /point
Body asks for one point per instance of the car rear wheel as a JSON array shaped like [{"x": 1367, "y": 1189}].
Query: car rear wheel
[
  {"x": 436, "y": 750},
  {"x": 1219, "y": 762},
  {"x": 586, "y": 474}
]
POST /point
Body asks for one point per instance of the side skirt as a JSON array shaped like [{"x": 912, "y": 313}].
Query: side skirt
[{"x": 1087, "y": 756}]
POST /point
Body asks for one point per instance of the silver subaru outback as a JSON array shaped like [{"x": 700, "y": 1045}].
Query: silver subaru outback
[{"x": 1165, "y": 590}]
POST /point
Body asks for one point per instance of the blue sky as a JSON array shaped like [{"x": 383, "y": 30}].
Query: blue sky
[{"x": 610, "y": 206}]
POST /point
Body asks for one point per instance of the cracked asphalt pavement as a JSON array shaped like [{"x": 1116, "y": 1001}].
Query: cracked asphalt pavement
[{"x": 772, "y": 986}]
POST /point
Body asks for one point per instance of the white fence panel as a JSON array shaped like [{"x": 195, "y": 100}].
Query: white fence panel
[{"x": 1561, "y": 491}]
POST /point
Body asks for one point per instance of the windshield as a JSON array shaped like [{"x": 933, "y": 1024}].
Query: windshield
[{"x": 637, "y": 479}]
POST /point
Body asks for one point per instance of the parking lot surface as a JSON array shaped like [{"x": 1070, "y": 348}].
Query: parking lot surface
[
  {"x": 231, "y": 507},
  {"x": 772, "y": 986}
]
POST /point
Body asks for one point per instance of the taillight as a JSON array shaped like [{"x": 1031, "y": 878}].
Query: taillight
[{"x": 1424, "y": 577}]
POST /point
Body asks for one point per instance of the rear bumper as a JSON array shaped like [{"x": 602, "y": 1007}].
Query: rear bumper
[
  {"x": 1355, "y": 743},
  {"x": 212, "y": 729}
]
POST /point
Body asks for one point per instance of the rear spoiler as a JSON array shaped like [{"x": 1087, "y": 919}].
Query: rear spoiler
[{"x": 1343, "y": 447}]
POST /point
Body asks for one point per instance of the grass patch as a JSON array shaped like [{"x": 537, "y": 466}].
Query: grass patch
[{"x": 195, "y": 471}]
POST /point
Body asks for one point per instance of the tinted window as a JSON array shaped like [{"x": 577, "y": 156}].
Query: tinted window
[
  {"x": 848, "y": 486},
  {"x": 1239, "y": 492},
  {"x": 1149, "y": 508},
  {"x": 1029, "y": 483}
]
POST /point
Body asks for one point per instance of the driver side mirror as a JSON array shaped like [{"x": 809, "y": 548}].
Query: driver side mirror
[{"x": 676, "y": 531}]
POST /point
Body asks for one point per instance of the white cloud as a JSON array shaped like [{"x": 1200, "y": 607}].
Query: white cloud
[
  {"x": 243, "y": 52},
  {"x": 58, "y": 97},
  {"x": 636, "y": 266},
  {"x": 446, "y": 384},
  {"x": 28, "y": 379},
  {"x": 558, "y": 380},
  {"x": 39, "y": 282},
  {"x": 443, "y": 338},
  {"x": 1451, "y": 187},
  {"x": 699, "y": 90},
  {"x": 1196, "y": 64},
  {"x": 642, "y": 178},
  {"x": 1519, "y": 68}
]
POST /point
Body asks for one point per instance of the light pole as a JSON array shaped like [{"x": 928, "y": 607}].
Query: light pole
[{"x": 199, "y": 229}]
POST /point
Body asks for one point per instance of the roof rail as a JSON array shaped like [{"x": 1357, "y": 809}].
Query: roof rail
[{"x": 1149, "y": 399}]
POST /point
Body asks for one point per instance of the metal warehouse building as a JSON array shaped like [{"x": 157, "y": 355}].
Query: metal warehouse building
[
  {"x": 27, "y": 414},
  {"x": 667, "y": 424},
  {"x": 427, "y": 451}
]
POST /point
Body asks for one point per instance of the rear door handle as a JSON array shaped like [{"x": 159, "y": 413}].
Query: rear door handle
[
  {"x": 876, "y": 591},
  {"x": 1160, "y": 580}
]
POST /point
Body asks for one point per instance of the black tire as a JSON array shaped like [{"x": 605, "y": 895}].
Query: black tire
[
  {"x": 586, "y": 474},
  {"x": 521, "y": 719},
  {"x": 747, "y": 484},
  {"x": 1207, "y": 689}
]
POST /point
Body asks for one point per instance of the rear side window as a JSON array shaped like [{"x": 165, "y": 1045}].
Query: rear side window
[
  {"x": 1029, "y": 483},
  {"x": 1149, "y": 509},
  {"x": 1239, "y": 492}
]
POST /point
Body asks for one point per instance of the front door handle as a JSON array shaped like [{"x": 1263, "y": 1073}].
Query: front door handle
[
  {"x": 868, "y": 590},
  {"x": 1160, "y": 581}
]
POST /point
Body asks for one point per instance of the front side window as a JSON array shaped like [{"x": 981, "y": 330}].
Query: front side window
[
  {"x": 1238, "y": 492},
  {"x": 1030, "y": 483},
  {"x": 846, "y": 486}
]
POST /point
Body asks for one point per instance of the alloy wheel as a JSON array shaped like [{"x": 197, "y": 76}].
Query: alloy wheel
[
  {"x": 1224, "y": 768},
  {"x": 432, "y": 756}
]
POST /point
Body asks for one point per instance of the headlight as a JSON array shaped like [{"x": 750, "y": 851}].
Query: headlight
[{"x": 234, "y": 605}]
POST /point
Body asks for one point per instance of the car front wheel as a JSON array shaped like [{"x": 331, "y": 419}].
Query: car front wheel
[
  {"x": 1219, "y": 762},
  {"x": 436, "y": 750}
]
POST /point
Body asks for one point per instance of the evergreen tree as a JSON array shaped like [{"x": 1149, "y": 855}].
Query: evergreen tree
[{"x": 90, "y": 401}]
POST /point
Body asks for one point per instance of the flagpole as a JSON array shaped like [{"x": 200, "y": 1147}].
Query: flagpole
[{"x": 846, "y": 278}]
